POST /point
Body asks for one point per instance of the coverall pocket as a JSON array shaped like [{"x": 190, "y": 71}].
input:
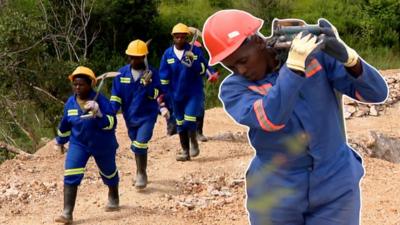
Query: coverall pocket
[{"x": 357, "y": 166}]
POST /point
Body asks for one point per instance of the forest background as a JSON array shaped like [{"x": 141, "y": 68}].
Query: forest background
[{"x": 42, "y": 41}]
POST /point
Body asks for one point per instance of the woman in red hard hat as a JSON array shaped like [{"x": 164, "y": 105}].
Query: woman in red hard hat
[{"x": 302, "y": 159}]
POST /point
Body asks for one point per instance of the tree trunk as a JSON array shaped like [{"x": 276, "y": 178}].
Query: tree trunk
[{"x": 13, "y": 149}]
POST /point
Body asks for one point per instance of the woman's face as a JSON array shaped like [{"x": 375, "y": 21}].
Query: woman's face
[
  {"x": 137, "y": 62},
  {"x": 249, "y": 60},
  {"x": 179, "y": 40},
  {"x": 81, "y": 87}
]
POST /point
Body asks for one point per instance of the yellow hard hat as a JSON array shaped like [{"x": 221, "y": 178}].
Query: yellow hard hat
[
  {"x": 137, "y": 48},
  {"x": 180, "y": 28},
  {"x": 83, "y": 70}
]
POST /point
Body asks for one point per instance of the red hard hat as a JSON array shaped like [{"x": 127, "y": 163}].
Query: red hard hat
[{"x": 225, "y": 31}]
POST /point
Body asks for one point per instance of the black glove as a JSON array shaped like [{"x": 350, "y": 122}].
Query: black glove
[{"x": 334, "y": 46}]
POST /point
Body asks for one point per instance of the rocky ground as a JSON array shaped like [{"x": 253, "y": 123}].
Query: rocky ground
[{"x": 207, "y": 190}]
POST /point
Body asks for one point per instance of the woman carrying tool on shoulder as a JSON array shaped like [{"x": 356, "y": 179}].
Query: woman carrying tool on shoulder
[
  {"x": 136, "y": 91},
  {"x": 181, "y": 69},
  {"x": 303, "y": 172},
  {"x": 87, "y": 136}
]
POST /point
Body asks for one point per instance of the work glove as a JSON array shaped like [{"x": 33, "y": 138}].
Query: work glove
[
  {"x": 164, "y": 112},
  {"x": 93, "y": 108},
  {"x": 334, "y": 46},
  {"x": 300, "y": 49},
  {"x": 212, "y": 78},
  {"x": 59, "y": 147},
  {"x": 146, "y": 78},
  {"x": 188, "y": 58}
]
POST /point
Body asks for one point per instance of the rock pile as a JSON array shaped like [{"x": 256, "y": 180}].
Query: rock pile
[
  {"x": 378, "y": 145},
  {"x": 199, "y": 193}
]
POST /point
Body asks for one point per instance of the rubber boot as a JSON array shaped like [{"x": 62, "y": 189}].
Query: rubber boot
[
  {"x": 113, "y": 199},
  {"x": 194, "y": 146},
  {"x": 200, "y": 123},
  {"x": 141, "y": 175},
  {"x": 171, "y": 128},
  {"x": 69, "y": 204},
  {"x": 184, "y": 154}
]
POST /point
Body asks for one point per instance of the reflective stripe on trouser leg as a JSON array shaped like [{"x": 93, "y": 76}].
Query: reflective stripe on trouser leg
[
  {"x": 108, "y": 168},
  {"x": 139, "y": 147},
  {"x": 193, "y": 108},
  {"x": 178, "y": 107},
  {"x": 186, "y": 112},
  {"x": 75, "y": 164},
  {"x": 189, "y": 122},
  {"x": 143, "y": 134}
]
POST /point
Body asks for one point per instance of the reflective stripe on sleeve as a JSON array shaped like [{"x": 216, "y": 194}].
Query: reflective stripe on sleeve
[
  {"x": 164, "y": 82},
  {"x": 262, "y": 118},
  {"x": 111, "y": 123},
  {"x": 65, "y": 134},
  {"x": 115, "y": 98}
]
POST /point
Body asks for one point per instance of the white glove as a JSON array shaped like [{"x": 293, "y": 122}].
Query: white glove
[
  {"x": 300, "y": 49},
  {"x": 146, "y": 78},
  {"x": 164, "y": 112},
  {"x": 94, "y": 108}
]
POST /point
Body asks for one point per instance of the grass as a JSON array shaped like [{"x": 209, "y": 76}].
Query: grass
[{"x": 382, "y": 58}]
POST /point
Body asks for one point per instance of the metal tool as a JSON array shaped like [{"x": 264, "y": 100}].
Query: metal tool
[
  {"x": 188, "y": 58},
  {"x": 88, "y": 115},
  {"x": 283, "y": 32},
  {"x": 147, "y": 74}
]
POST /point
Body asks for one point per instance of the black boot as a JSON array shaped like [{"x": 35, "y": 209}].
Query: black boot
[
  {"x": 113, "y": 199},
  {"x": 171, "y": 128},
  {"x": 200, "y": 123},
  {"x": 194, "y": 146},
  {"x": 69, "y": 204},
  {"x": 141, "y": 175},
  {"x": 184, "y": 154}
]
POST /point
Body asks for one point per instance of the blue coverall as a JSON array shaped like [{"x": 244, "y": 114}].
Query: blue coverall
[
  {"x": 89, "y": 137},
  {"x": 168, "y": 98},
  {"x": 296, "y": 120},
  {"x": 139, "y": 106},
  {"x": 186, "y": 86},
  {"x": 169, "y": 104}
]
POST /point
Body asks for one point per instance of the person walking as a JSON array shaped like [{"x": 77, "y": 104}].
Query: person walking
[
  {"x": 135, "y": 91},
  {"x": 94, "y": 136},
  {"x": 181, "y": 70}
]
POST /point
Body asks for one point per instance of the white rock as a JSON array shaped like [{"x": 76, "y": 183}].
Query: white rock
[
  {"x": 349, "y": 108},
  {"x": 373, "y": 111}
]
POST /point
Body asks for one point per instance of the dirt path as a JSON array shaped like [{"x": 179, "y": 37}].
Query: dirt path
[{"x": 207, "y": 190}]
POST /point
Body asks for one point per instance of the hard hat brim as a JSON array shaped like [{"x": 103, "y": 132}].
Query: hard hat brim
[
  {"x": 180, "y": 32},
  {"x": 71, "y": 78},
  {"x": 130, "y": 54},
  {"x": 227, "y": 52}
]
